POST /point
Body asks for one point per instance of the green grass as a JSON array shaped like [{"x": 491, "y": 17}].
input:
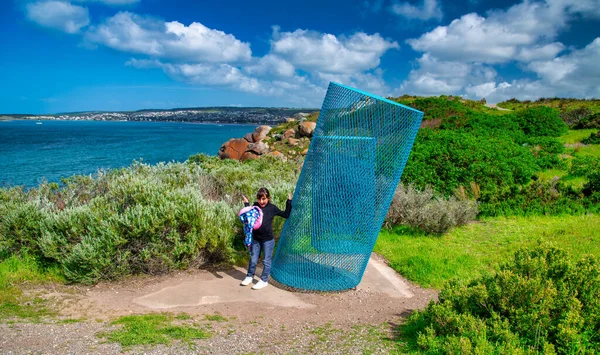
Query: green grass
[
  {"x": 467, "y": 252},
  {"x": 15, "y": 272},
  {"x": 591, "y": 150},
  {"x": 151, "y": 329},
  {"x": 575, "y": 181},
  {"x": 216, "y": 318},
  {"x": 547, "y": 175},
  {"x": 576, "y": 136}
]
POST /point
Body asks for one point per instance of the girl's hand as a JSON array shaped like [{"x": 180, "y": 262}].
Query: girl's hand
[
  {"x": 290, "y": 196},
  {"x": 244, "y": 199}
]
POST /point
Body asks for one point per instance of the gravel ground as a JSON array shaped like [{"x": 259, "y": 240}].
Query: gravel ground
[{"x": 352, "y": 322}]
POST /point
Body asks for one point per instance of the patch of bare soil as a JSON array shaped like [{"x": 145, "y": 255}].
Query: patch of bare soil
[{"x": 271, "y": 320}]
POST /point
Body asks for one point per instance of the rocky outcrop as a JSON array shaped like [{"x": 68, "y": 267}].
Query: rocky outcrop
[
  {"x": 260, "y": 133},
  {"x": 233, "y": 149},
  {"x": 249, "y": 155},
  {"x": 251, "y": 146},
  {"x": 289, "y": 133},
  {"x": 258, "y": 148},
  {"x": 290, "y": 144},
  {"x": 306, "y": 129},
  {"x": 248, "y": 137}
]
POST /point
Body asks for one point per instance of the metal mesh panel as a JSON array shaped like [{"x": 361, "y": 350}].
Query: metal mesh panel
[{"x": 354, "y": 163}]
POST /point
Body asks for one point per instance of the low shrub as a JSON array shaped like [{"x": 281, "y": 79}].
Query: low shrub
[
  {"x": 539, "y": 303},
  {"x": 592, "y": 188},
  {"x": 446, "y": 160},
  {"x": 539, "y": 198},
  {"x": 594, "y": 138},
  {"x": 141, "y": 219},
  {"x": 429, "y": 211},
  {"x": 589, "y": 121},
  {"x": 546, "y": 151},
  {"x": 541, "y": 121},
  {"x": 582, "y": 165},
  {"x": 573, "y": 118},
  {"x": 505, "y": 126}
]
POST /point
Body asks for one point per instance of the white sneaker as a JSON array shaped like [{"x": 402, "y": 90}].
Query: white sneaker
[
  {"x": 247, "y": 281},
  {"x": 260, "y": 284}
]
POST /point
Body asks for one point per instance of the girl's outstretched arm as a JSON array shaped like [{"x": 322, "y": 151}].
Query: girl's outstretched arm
[
  {"x": 245, "y": 200},
  {"x": 288, "y": 208}
]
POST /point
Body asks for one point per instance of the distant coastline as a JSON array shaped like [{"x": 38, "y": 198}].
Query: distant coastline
[{"x": 217, "y": 115}]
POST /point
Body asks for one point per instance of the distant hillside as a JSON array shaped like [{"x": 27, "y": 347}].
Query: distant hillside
[
  {"x": 561, "y": 104},
  {"x": 251, "y": 115}
]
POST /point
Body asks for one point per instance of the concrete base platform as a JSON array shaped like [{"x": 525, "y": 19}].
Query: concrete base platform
[{"x": 224, "y": 287}]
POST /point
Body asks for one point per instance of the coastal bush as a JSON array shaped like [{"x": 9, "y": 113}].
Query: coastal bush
[
  {"x": 442, "y": 108},
  {"x": 583, "y": 165},
  {"x": 573, "y": 118},
  {"x": 592, "y": 188},
  {"x": 546, "y": 151},
  {"x": 139, "y": 219},
  {"x": 589, "y": 121},
  {"x": 539, "y": 198},
  {"x": 594, "y": 138},
  {"x": 541, "y": 121},
  {"x": 505, "y": 126},
  {"x": 539, "y": 303},
  {"x": 447, "y": 160},
  {"x": 429, "y": 211}
]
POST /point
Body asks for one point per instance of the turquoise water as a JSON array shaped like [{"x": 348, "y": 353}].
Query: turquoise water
[{"x": 31, "y": 152}]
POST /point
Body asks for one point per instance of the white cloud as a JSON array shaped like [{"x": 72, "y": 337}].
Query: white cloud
[
  {"x": 58, "y": 15},
  {"x": 435, "y": 77},
  {"x": 327, "y": 53},
  {"x": 429, "y": 9},
  {"x": 460, "y": 58},
  {"x": 271, "y": 65},
  {"x": 522, "y": 32},
  {"x": 133, "y": 33},
  {"x": 294, "y": 89},
  {"x": 371, "y": 82},
  {"x": 475, "y": 39},
  {"x": 576, "y": 74},
  {"x": 298, "y": 66},
  {"x": 540, "y": 52}
]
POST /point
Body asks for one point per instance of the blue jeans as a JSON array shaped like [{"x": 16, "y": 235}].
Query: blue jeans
[{"x": 255, "y": 249}]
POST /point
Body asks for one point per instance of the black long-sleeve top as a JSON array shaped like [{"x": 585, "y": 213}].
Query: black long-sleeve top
[{"x": 265, "y": 232}]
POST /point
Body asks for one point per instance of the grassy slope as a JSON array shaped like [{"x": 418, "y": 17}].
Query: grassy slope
[
  {"x": 573, "y": 137},
  {"x": 560, "y": 104},
  {"x": 468, "y": 251}
]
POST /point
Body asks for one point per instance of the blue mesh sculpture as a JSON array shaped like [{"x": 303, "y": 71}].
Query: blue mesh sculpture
[{"x": 354, "y": 164}]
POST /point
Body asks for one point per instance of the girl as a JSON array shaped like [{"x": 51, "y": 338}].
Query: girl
[{"x": 262, "y": 238}]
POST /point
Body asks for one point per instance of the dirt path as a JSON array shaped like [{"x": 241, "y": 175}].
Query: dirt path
[
  {"x": 496, "y": 107},
  {"x": 271, "y": 321}
]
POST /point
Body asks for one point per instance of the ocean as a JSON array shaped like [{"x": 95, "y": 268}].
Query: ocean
[{"x": 31, "y": 151}]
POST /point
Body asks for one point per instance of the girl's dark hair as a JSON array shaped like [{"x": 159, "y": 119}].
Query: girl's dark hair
[{"x": 263, "y": 192}]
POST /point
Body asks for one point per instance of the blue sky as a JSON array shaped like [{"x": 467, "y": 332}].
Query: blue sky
[{"x": 80, "y": 55}]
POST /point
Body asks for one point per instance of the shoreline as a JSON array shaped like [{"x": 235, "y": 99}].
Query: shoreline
[{"x": 154, "y": 121}]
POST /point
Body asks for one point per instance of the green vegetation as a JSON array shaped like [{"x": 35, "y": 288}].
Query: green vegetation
[
  {"x": 152, "y": 329},
  {"x": 531, "y": 179},
  {"x": 540, "y": 302},
  {"x": 141, "y": 219},
  {"x": 576, "y": 136},
  {"x": 541, "y": 121},
  {"x": 564, "y": 105},
  {"x": 500, "y": 159},
  {"x": 215, "y": 318},
  {"x": 469, "y": 251},
  {"x": 15, "y": 272}
]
